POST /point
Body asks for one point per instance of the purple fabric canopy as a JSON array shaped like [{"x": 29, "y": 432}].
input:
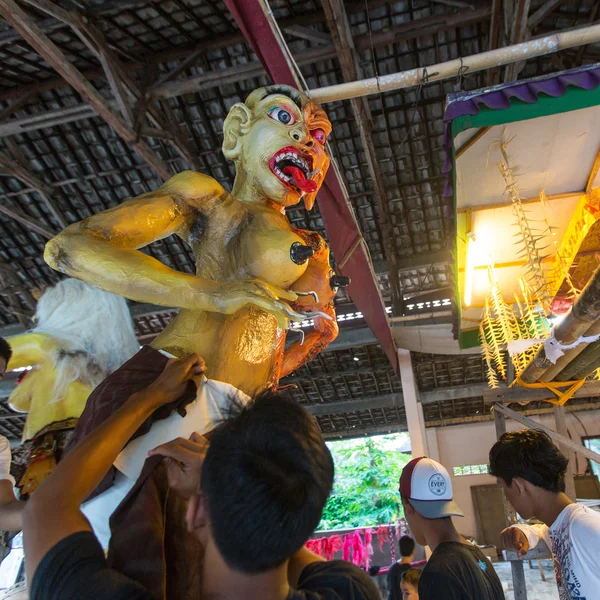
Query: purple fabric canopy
[{"x": 499, "y": 98}]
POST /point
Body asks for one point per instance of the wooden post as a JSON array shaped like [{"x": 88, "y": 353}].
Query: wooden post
[
  {"x": 518, "y": 572},
  {"x": 559, "y": 439},
  {"x": 561, "y": 427}
]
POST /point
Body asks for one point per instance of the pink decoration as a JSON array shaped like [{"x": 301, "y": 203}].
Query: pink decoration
[
  {"x": 346, "y": 547},
  {"x": 334, "y": 544},
  {"x": 383, "y": 535},
  {"x": 357, "y": 549},
  {"x": 368, "y": 548}
]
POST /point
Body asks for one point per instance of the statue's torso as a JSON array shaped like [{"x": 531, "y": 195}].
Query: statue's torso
[{"x": 233, "y": 241}]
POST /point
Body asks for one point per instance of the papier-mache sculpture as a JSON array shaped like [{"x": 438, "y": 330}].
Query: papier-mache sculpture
[
  {"x": 81, "y": 336},
  {"x": 254, "y": 274}
]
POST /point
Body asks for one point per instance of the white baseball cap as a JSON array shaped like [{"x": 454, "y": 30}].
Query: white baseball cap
[{"x": 427, "y": 485}]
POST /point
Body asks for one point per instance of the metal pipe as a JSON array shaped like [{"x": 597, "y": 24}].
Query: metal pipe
[{"x": 469, "y": 64}]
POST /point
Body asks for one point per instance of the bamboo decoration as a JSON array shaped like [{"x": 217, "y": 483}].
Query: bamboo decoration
[
  {"x": 554, "y": 373},
  {"x": 529, "y": 236},
  {"x": 560, "y": 271},
  {"x": 583, "y": 314},
  {"x": 449, "y": 69},
  {"x": 488, "y": 355}
]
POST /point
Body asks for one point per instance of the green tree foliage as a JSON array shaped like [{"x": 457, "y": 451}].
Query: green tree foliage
[{"x": 365, "y": 492}]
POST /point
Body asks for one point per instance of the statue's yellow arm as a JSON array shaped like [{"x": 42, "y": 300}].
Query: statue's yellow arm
[
  {"x": 28, "y": 350},
  {"x": 103, "y": 249}
]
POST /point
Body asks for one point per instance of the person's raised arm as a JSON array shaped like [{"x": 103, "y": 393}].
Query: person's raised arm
[
  {"x": 523, "y": 538},
  {"x": 53, "y": 512},
  {"x": 104, "y": 251}
]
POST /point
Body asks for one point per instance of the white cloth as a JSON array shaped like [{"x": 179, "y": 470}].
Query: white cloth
[
  {"x": 552, "y": 347},
  {"x": 5, "y": 460},
  {"x": 575, "y": 541},
  {"x": 201, "y": 415}
]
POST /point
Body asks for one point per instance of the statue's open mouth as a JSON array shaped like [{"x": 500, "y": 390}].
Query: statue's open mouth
[{"x": 294, "y": 169}]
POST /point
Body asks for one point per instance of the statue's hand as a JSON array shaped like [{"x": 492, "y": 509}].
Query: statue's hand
[{"x": 231, "y": 297}]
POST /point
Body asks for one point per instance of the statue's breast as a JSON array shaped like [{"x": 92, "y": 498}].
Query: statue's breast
[
  {"x": 277, "y": 256},
  {"x": 237, "y": 242}
]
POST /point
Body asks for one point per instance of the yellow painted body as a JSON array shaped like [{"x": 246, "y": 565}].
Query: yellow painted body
[
  {"x": 234, "y": 309},
  {"x": 34, "y": 395}
]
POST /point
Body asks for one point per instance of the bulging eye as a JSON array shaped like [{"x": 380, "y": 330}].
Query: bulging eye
[
  {"x": 282, "y": 115},
  {"x": 319, "y": 135}
]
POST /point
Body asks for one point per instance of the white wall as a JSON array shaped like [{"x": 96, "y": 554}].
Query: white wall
[{"x": 469, "y": 445}]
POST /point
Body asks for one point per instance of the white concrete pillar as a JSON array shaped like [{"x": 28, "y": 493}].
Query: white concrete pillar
[
  {"x": 422, "y": 426},
  {"x": 416, "y": 427},
  {"x": 433, "y": 449}
]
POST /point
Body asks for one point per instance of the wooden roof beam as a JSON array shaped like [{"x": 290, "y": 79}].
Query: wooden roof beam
[
  {"x": 339, "y": 26},
  {"x": 516, "y": 15},
  {"x": 428, "y": 26},
  {"x": 16, "y": 169},
  {"x": 33, "y": 35},
  {"x": 10, "y": 210},
  {"x": 125, "y": 90}
]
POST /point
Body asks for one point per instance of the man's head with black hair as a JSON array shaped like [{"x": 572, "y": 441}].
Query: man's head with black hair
[
  {"x": 265, "y": 480},
  {"x": 526, "y": 462},
  {"x": 407, "y": 546},
  {"x": 5, "y": 355}
]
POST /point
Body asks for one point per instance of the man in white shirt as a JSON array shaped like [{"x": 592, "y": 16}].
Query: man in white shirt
[{"x": 531, "y": 471}]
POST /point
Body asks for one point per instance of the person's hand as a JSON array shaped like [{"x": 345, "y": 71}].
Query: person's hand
[
  {"x": 171, "y": 383},
  {"x": 183, "y": 459},
  {"x": 513, "y": 538},
  {"x": 234, "y": 296}
]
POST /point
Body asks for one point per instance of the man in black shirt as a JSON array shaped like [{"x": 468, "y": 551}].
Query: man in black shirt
[
  {"x": 457, "y": 570},
  {"x": 261, "y": 484},
  {"x": 407, "y": 553}
]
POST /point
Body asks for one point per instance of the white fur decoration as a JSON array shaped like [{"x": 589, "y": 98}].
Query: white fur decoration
[{"x": 93, "y": 330}]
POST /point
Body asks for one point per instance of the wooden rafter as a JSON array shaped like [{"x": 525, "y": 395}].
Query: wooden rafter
[
  {"x": 10, "y": 210},
  {"x": 12, "y": 288},
  {"x": 18, "y": 170},
  {"x": 516, "y": 14},
  {"x": 125, "y": 90},
  {"x": 339, "y": 26},
  {"x": 399, "y": 33},
  {"x": 542, "y": 12},
  {"x": 33, "y": 35}
]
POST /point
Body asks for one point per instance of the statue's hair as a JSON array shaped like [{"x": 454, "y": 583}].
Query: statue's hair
[{"x": 92, "y": 329}]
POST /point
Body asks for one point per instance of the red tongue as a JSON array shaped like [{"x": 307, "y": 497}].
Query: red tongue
[{"x": 306, "y": 185}]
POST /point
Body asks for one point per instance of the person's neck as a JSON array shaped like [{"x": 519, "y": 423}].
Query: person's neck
[
  {"x": 438, "y": 531},
  {"x": 224, "y": 583},
  {"x": 405, "y": 560},
  {"x": 549, "y": 505}
]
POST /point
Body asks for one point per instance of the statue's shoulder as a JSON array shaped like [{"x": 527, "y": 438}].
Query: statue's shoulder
[{"x": 191, "y": 185}]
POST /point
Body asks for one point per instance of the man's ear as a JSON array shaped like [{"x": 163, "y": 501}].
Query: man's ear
[
  {"x": 236, "y": 125},
  {"x": 196, "y": 516},
  {"x": 519, "y": 485}
]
